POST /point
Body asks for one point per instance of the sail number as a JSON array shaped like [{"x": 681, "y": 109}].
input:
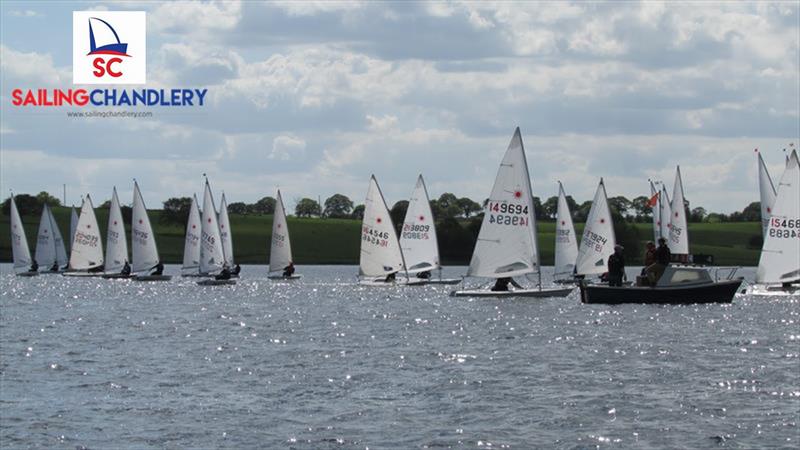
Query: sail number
[
  {"x": 593, "y": 241},
  {"x": 563, "y": 236},
  {"x": 784, "y": 228},
  {"x": 508, "y": 214},
  {"x": 414, "y": 231},
  {"x": 379, "y": 238}
]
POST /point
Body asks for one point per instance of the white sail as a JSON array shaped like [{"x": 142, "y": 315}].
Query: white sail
[
  {"x": 598, "y": 240},
  {"x": 116, "y": 241},
  {"x": 678, "y": 240},
  {"x": 144, "y": 253},
  {"x": 665, "y": 211},
  {"x": 45, "y": 241},
  {"x": 73, "y": 226},
  {"x": 380, "y": 249},
  {"x": 211, "y": 258},
  {"x": 19, "y": 242},
  {"x": 767, "y": 191},
  {"x": 280, "y": 249},
  {"x": 191, "y": 248},
  {"x": 506, "y": 244},
  {"x": 566, "y": 240},
  {"x": 780, "y": 255},
  {"x": 418, "y": 235},
  {"x": 61, "y": 251},
  {"x": 87, "y": 248},
  {"x": 225, "y": 232}
]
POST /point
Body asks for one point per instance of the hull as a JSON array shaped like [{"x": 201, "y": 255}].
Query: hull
[
  {"x": 83, "y": 274},
  {"x": 773, "y": 290},
  {"x": 530, "y": 293},
  {"x": 116, "y": 276},
  {"x": 718, "y": 292},
  {"x": 27, "y": 274},
  {"x": 152, "y": 278},
  {"x": 444, "y": 281},
  {"x": 281, "y": 277},
  {"x": 216, "y": 282},
  {"x": 398, "y": 282}
]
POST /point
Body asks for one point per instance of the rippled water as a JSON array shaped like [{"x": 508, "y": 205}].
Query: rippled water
[{"x": 322, "y": 363}]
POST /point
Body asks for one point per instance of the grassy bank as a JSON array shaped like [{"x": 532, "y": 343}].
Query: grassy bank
[{"x": 336, "y": 241}]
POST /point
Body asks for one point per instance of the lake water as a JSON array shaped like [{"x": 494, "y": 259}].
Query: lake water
[{"x": 322, "y": 363}]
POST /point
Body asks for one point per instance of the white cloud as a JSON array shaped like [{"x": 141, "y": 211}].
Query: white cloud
[
  {"x": 286, "y": 147},
  {"x": 31, "y": 67}
]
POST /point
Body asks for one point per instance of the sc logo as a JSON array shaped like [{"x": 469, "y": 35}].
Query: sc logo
[{"x": 102, "y": 67}]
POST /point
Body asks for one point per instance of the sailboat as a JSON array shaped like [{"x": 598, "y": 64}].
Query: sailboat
[
  {"x": 46, "y": 254},
  {"x": 116, "y": 242},
  {"x": 767, "y": 192},
  {"x": 20, "y": 251},
  {"x": 678, "y": 239},
  {"x": 144, "y": 253},
  {"x": 598, "y": 240},
  {"x": 191, "y": 247},
  {"x": 58, "y": 241},
  {"x": 86, "y": 252},
  {"x": 506, "y": 245},
  {"x": 212, "y": 259},
  {"x": 381, "y": 257},
  {"x": 73, "y": 226},
  {"x": 779, "y": 266},
  {"x": 566, "y": 254},
  {"x": 418, "y": 237},
  {"x": 226, "y": 235},
  {"x": 280, "y": 248}
]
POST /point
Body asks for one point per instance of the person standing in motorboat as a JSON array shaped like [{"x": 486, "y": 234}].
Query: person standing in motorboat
[
  {"x": 663, "y": 257},
  {"x": 616, "y": 267}
]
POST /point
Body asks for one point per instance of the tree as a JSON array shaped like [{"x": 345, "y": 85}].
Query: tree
[
  {"x": 26, "y": 205},
  {"x": 468, "y": 207},
  {"x": 307, "y": 207},
  {"x": 358, "y": 213},
  {"x": 238, "y": 208},
  {"x": 582, "y": 212},
  {"x": 619, "y": 205},
  {"x": 264, "y": 206},
  {"x": 550, "y": 207},
  {"x": 44, "y": 197},
  {"x": 338, "y": 206},
  {"x": 446, "y": 206},
  {"x": 698, "y": 214},
  {"x": 176, "y": 210},
  {"x": 398, "y": 214},
  {"x": 752, "y": 212},
  {"x": 641, "y": 207},
  {"x": 105, "y": 205},
  {"x": 538, "y": 209}
]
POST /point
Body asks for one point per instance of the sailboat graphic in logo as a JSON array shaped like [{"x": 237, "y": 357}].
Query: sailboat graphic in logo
[{"x": 118, "y": 48}]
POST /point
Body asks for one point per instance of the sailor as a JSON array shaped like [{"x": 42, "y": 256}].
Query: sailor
[
  {"x": 616, "y": 267},
  {"x": 424, "y": 275},
  {"x": 34, "y": 266},
  {"x": 288, "y": 270},
  {"x": 126, "y": 269},
  {"x": 236, "y": 269},
  {"x": 390, "y": 278},
  {"x": 501, "y": 285},
  {"x": 54, "y": 267},
  {"x": 224, "y": 274},
  {"x": 159, "y": 269},
  {"x": 663, "y": 257}
]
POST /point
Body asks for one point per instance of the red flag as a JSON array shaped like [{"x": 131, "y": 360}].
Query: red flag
[{"x": 653, "y": 200}]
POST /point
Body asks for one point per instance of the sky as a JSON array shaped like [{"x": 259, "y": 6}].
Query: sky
[{"x": 313, "y": 97}]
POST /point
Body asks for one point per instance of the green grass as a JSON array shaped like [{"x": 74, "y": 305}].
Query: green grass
[{"x": 336, "y": 241}]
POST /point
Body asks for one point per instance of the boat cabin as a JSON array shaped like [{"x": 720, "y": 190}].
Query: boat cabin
[{"x": 676, "y": 275}]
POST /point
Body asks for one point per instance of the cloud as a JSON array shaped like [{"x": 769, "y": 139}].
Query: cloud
[{"x": 287, "y": 147}]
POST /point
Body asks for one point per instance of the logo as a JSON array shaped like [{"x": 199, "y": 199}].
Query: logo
[{"x": 109, "y": 47}]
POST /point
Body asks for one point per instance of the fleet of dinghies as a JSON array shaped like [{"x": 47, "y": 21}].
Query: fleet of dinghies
[{"x": 506, "y": 246}]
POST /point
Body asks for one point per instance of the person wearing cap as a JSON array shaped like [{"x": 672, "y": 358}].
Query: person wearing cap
[{"x": 616, "y": 267}]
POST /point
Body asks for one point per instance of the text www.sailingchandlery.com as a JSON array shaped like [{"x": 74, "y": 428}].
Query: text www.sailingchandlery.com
[{"x": 110, "y": 114}]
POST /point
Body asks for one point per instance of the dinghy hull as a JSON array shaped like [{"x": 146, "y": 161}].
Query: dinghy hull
[
  {"x": 281, "y": 277},
  {"x": 117, "y": 276},
  {"x": 216, "y": 282},
  {"x": 27, "y": 274},
  {"x": 152, "y": 278},
  {"x": 398, "y": 282},
  {"x": 717, "y": 292}
]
